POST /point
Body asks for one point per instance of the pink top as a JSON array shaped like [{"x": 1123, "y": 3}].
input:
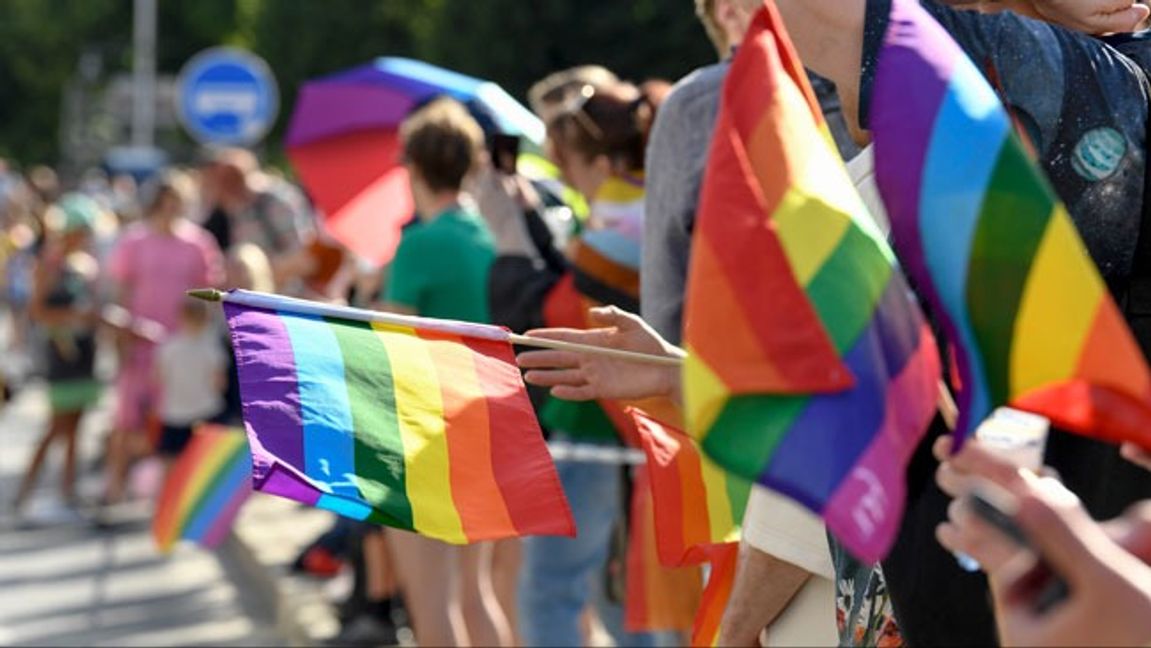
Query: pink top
[{"x": 155, "y": 268}]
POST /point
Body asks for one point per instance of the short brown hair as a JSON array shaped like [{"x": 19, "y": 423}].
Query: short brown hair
[
  {"x": 442, "y": 142},
  {"x": 612, "y": 120}
]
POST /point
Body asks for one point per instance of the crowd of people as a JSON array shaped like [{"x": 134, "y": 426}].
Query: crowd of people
[{"x": 104, "y": 266}]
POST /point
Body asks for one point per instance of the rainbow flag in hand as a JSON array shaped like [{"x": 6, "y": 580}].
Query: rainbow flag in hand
[
  {"x": 992, "y": 248},
  {"x": 811, "y": 368},
  {"x": 416, "y": 423},
  {"x": 697, "y": 504},
  {"x": 203, "y": 493}
]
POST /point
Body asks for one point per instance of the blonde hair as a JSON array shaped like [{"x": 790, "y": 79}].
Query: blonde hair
[
  {"x": 252, "y": 259},
  {"x": 169, "y": 183},
  {"x": 553, "y": 90},
  {"x": 705, "y": 11}
]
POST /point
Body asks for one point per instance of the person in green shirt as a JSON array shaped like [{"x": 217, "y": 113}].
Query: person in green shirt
[
  {"x": 441, "y": 270},
  {"x": 441, "y": 266}
]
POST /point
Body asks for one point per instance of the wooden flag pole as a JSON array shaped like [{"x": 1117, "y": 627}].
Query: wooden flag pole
[
  {"x": 631, "y": 356},
  {"x": 947, "y": 408},
  {"x": 213, "y": 295}
]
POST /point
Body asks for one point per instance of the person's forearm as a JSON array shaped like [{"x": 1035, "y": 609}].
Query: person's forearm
[{"x": 763, "y": 588}]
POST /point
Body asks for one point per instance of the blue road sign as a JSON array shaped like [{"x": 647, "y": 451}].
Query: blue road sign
[{"x": 227, "y": 96}]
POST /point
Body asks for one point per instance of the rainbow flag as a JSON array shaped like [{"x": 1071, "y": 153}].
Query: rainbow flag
[
  {"x": 203, "y": 493},
  {"x": 993, "y": 250},
  {"x": 716, "y": 594},
  {"x": 408, "y": 422},
  {"x": 810, "y": 368},
  {"x": 658, "y": 598},
  {"x": 697, "y": 504}
]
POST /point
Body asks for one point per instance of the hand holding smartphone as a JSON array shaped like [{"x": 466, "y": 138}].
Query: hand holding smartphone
[
  {"x": 505, "y": 150},
  {"x": 997, "y": 509}
]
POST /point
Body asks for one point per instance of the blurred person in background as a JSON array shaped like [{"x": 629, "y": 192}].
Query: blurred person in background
[
  {"x": 64, "y": 302},
  {"x": 18, "y": 249},
  {"x": 153, "y": 264},
  {"x": 441, "y": 269},
  {"x": 547, "y": 96},
  {"x": 244, "y": 204},
  {"x": 191, "y": 369},
  {"x": 596, "y": 137}
]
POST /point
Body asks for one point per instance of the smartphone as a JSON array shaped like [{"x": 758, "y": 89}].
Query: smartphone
[
  {"x": 993, "y": 509},
  {"x": 505, "y": 150}
]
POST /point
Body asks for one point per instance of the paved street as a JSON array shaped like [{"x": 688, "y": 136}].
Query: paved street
[{"x": 62, "y": 582}]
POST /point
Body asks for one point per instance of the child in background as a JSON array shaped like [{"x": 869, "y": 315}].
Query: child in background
[{"x": 191, "y": 368}]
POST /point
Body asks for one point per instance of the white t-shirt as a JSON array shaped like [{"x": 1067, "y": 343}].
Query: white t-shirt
[
  {"x": 189, "y": 368},
  {"x": 781, "y": 528}
]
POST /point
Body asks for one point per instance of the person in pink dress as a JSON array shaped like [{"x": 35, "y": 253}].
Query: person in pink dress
[{"x": 151, "y": 266}]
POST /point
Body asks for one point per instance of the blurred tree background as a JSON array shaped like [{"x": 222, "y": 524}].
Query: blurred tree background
[{"x": 49, "y": 46}]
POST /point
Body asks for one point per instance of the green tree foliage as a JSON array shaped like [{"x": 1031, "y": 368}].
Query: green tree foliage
[
  {"x": 512, "y": 42},
  {"x": 517, "y": 42}
]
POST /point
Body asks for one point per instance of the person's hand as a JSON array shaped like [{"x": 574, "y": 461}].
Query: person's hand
[
  {"x": 1094, "y": 16},
  {"x": 586, "y": 376},
  {"x": 957, "y": 474},
  {"x": 1109, "y": 600},
  {"x": 1109, "y": 589},
  {"x": 502, "y": 200}
]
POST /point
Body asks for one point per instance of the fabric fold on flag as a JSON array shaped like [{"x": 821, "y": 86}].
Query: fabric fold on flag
[
  {"x": 203, "y": 494},
  {"x": 697, "y": 504},
  {"x": 990, "y": 246},
  {"x": 810, "y": 367},
  {"x": 720, "y": 580},
  {"x": 657, "y": 598},
  {"x": 426, "y": 428}
]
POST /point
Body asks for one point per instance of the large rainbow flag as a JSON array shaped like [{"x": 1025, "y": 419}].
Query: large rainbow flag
[
  {"x": 207, "y": 485},
  {"x": 992, "y": 248},
  {"x": 409, "y": 422},
  {"x": 810, "y": 368}
]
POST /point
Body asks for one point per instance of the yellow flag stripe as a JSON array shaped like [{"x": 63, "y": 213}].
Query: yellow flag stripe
[
  {"x": 1057, "y": 309},
  {"x": 420, "y": 414}
]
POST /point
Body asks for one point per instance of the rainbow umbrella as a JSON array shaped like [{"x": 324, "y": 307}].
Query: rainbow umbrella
[{"x": 342, "y": 142}]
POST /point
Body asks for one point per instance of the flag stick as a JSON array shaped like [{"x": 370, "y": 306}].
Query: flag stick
[
  {"x": 462, "y": 328},
  {"x": 560, "y": 345},
  {"x": 947, "y": 407}
]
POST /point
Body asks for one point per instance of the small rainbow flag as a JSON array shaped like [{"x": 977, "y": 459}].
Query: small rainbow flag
[
  {"x": 720, "y": 580},
  {"x": 810, "y": 368},
  {"x": 410, "y": 422},
  {"x": 203, "y": 493},
  {"x": 658, "y": 598},
  {"x": 992, "y": 248},
  {"x": 697, "y": 504}
]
